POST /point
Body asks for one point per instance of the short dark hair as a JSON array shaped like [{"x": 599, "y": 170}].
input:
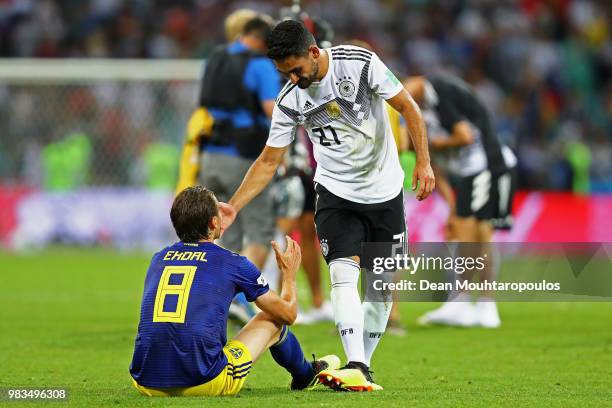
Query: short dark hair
[
  {"x": 289, "y": 39},
  {"x": 191, "y": 212},
  {"x": 259, "y": 27}
]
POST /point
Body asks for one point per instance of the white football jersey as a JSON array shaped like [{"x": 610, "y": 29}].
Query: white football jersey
[
  {"x": 346, "y": 119},
  {"x": 462, "y": 161}
]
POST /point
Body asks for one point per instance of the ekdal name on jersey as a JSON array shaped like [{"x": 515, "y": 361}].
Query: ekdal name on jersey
[{"x": 185, "y": 256}]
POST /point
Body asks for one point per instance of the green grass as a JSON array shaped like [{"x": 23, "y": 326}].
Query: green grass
[{"x": 68, "y": 318}]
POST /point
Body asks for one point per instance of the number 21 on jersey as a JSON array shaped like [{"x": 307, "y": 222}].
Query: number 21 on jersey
[
  {"x": 173, "y": 294},
  {"x": 323, "y": 139}
]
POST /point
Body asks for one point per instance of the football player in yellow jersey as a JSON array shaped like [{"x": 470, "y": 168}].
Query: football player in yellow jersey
[{"x": 181, "y": 348}]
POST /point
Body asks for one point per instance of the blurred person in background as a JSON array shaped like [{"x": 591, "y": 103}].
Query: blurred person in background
[
  {"x": 235, "y": 22},
  {"x": 563, "y": 49},
  {"x": 466, "y": 147},
  {"x": 237, "y": 96},
  {"x": 238, "y": 91},
  {"x": 201, "y": 122}
]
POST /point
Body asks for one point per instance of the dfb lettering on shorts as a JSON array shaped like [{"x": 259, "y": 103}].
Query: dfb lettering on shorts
[
  {"x": 344, "y": 332},
  {"x": 375, "y": 335}
]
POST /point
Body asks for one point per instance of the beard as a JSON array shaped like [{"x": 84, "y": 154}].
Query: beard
[{"x": 305, "y": 82}]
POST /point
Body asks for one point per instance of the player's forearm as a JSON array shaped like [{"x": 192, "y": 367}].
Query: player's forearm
[
  {"x": 416, "y": 130},
  {"x": 461, "y": 135},
  {"x": 256, "y": 179},
  {"x": 281, "y": 310},
  {"x": 449, "y": 142},
  {"x": 404, "y": 142},
  {"x": 442, "y": 143},
  {"x": 289, "y": 295}
]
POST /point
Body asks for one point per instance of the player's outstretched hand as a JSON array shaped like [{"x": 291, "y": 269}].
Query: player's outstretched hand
[
  {"x": 228, "y": 215},
  {"x": 290, "y": 260},
  {"x": 423, "y": 175}
]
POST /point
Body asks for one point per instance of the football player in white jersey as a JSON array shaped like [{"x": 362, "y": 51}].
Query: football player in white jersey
[
  {"x": 467, "y": 148},
  {"x": 338, "y": 95}
]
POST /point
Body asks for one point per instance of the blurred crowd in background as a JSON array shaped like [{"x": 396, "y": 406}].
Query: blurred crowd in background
[{"x": 543, "y": 67}]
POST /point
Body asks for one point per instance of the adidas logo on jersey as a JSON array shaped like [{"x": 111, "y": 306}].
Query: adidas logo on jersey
[{"x": 308, "y": 105}]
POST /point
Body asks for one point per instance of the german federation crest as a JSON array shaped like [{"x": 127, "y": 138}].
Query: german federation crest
[
  {"x": 333, "y": 110},
  {"x": 346, "y": 87},
  {"x": 324, "y": 247}
]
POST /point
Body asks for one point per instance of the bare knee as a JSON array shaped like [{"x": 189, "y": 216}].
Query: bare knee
[
  {"x": 265, "y": 317},
  {"x": 485, "y": 231},
  {"x": 276, "y": 327},
  {"x": 467, "y": 229}
]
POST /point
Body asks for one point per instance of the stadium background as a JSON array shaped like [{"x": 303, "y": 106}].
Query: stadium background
[
  {"x": 94, "y": 100},
  {"x": 542, "y": 67}
]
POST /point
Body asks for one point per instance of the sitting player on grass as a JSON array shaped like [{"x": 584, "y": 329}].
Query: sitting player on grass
[{"x": 181, "y": 347}]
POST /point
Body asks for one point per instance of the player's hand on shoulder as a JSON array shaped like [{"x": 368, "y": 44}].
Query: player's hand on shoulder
[
  {"x": 423, "y": 176},
  {"x": 228, "y": 215},
  {"x": 290, "y": 260}
]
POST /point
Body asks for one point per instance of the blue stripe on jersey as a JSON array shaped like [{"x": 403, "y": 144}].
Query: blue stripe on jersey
[
  {"x": 240, "y": 365},
  {"x": 236, "y": 372},
  {"x": 240, "y": 376}
]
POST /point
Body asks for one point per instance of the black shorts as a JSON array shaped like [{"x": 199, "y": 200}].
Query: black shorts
[
  {"x": 488, "y": 197},
  {"x": 309, "y": 193},
  {"x": 343, "y": 225}
]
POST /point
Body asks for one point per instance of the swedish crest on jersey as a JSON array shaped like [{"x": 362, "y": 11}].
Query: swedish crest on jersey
[
  {"x": 333, "y": 110},
  {"x": 235, "y": 352}
]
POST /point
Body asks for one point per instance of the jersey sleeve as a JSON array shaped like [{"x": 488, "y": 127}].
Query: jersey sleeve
[
  {"x": 283, "y": 127},
  {"x": 249, "y": 280},
  {"x": 381, "y": 80}
]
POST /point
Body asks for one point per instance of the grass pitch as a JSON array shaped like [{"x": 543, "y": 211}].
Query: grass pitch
[{"x": 68, "y": 318}]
